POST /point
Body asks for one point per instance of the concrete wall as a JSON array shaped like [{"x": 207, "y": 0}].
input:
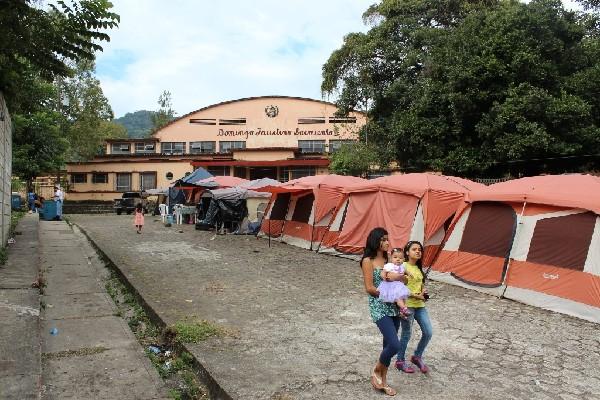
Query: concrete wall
[{"x": 5, "y": 169}]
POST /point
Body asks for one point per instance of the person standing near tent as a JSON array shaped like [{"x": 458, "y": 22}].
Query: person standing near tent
[
  {"x": 59, "y": 198},
  {"x": 138, "y": 219},
  {"x": 31, "y": 197},
  {"x": 413, "y": 253},
  {"x": 384, "y": 315}
]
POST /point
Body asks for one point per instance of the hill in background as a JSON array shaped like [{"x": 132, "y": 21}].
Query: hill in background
[{"x": 138, "y": 124}]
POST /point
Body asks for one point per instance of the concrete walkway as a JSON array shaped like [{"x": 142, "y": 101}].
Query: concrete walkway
[
  {"x": 298, "y": 326},
  {"x": 66, "y": 343},
  {"x": 20, "y": 352}
]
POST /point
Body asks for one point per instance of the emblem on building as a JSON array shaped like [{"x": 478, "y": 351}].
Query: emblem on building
[{"x": 271, "y": 111}]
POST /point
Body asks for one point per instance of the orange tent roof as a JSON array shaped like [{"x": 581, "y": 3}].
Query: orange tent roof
[
  {"x": 308, "y": 183},
  {"x": 327, "y": 189},
  {"x": 569, "y": 190},
  {"x": 416, "y": 184}
]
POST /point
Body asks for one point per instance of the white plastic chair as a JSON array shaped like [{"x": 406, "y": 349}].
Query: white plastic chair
[
  {"x": 178, "y": 214},
  {"x": 163, "y": 210}
]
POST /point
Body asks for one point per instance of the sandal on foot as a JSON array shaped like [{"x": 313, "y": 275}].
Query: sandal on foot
[
  {"x": 403, "y": 366},
  {"x": 419, "y": 363},
  {"x": 376, "y": 381},
  {"x": 389, "y": 391}
]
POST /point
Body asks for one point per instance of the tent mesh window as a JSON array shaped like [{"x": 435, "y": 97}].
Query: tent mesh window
[
  {"x": 303, "y": 208},
  {"x": 280, "y": 207},
  {"x": 478, "y": 238},
  {"x": 562, "y": 241}
]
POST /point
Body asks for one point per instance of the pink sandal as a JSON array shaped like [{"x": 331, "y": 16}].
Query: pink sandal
[
  {"x": 419, "y": 363},
  {"x": 403, "y": 366}
]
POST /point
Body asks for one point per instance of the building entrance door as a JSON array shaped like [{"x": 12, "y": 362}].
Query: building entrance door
[{"x": 263, "y": 172}]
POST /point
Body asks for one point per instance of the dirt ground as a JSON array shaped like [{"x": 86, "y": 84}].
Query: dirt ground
[{"x": 298, "y": 325}]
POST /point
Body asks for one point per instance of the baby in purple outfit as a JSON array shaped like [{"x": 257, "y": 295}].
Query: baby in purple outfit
[{"x": 395, "y": 291}]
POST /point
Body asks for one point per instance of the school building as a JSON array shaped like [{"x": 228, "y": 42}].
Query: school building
[{"x": 277, "y": 137}]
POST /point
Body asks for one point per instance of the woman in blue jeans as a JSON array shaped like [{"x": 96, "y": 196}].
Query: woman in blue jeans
[
  {"x": 385, "y": 315},
  {"x": 413, "y": 252}
]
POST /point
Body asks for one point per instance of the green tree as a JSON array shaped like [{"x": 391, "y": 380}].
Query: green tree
[
  {"x": 39, "y": 49},
  {"x": 473, "y": 86},
  {"x": 165, "y": 113},
  {"x": 34, "y": 38},
  {"x": 138, "y": 123},
  {"x": 38, "y": 145},
  {"x": 87, "y": 115},
  {"x": 354, "y": 159}
]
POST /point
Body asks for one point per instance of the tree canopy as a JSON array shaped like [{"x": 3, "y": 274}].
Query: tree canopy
[
  {"x": 47, "y": 77},
  {"x": 138, "y": 123},
  {"x": 354, "y": 159},
  {"x": 470, "y": 87},
  {"x": 43, "y": 39},
  {"x": 165, "y": 112},
  {"x": 85, "y": 111}
]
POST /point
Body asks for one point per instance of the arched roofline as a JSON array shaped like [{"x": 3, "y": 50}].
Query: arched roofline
[{"x": 246, "y": 99}]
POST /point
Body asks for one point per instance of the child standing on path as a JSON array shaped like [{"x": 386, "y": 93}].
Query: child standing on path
[
  {"x": 138, "y": 220},
  {"x": 394, "y": 291}
]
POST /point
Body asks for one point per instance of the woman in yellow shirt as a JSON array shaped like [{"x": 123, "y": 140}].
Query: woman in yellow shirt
[{"x": 413, "y": 253}]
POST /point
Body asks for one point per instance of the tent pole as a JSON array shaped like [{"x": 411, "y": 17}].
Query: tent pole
[{"x": 516, "y": 237}]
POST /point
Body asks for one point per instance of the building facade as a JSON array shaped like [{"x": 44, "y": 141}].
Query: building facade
[{"x": 277, "y": 137}]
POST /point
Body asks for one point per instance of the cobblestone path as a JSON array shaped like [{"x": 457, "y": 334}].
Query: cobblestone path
[{"x": 301, "y": 330}]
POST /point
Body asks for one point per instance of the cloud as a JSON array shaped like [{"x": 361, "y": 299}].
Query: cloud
[{"x": 206, "y": 52}]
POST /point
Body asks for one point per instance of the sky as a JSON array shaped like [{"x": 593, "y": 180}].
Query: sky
[{"x": 205, "y": 52}]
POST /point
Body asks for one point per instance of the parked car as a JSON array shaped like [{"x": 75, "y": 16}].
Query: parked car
[{"x": 128, "y": 202}]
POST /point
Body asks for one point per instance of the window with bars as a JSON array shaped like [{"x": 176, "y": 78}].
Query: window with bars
[
  {"x": 147, "y": 180},
  {"x": 123, "y": 182},
  {"x": 334, "y": 145},
  {"x": 202, "y": 147},
  {"x": 120, "y": 148},
  {"x": 228, "y": 146},
  {"x": 144, "y": 148},
  {"x": 289, "y": 173},
  {"x": 311, "y": 146},
  {"x": 100, "y": 178},
  {"x": 78, "y": 178},
  {"x": 224, "y": 170},
  {"x": 172, "y": 148}
]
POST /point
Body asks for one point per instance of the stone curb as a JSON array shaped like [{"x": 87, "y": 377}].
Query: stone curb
[{"x": 215, "y": 389}]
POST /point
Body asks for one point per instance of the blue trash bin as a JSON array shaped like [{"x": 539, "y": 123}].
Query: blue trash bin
[
  {"x": 52, "y": 210},
  {"x": 15, "y": 201}
]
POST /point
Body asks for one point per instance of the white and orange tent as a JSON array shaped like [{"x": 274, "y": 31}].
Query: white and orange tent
[
  {"x": 300, "y": 210},
  {"x": 416, "y": 206},
  {"x": 535, "y": 240}
]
